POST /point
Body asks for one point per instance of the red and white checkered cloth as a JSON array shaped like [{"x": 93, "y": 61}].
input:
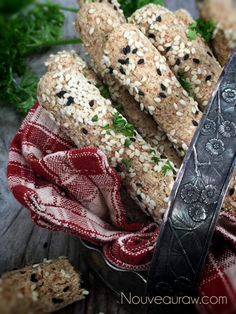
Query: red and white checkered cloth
[{"x": 74, "y": 190}]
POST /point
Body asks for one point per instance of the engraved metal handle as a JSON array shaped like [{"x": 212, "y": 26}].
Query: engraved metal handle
[{"x": 197, "y": 195}]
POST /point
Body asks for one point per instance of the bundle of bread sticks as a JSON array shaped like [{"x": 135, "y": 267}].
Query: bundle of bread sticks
[{"x": 131, "y": 103}]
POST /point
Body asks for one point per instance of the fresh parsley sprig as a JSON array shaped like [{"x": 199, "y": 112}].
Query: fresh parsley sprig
[
  {"x": 204, "y": 28},
  {"x": 38, "y": 27},
  {"x": 184, "y": 83}
]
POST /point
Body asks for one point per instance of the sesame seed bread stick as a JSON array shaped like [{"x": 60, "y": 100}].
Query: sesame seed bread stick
[
  {"x": 42, "y": 288},
  {"x": 183, "y": 55},
  {"x": 91, "y": 121},
  {"x": 142, "y": 121},
  {"x": 223, "y": 13},
  {"x": 94, "y": 22},
  {"x": 146, "y": 75}
]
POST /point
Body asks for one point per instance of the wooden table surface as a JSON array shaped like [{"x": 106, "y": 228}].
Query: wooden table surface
[{"x": 21, "y": 242}]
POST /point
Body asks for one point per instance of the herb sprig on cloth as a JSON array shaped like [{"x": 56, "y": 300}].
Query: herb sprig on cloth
[{"x": 27, "y": 31}]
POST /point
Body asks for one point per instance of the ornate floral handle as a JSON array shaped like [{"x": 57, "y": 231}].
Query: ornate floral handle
[{"x": 197, "y": 196}]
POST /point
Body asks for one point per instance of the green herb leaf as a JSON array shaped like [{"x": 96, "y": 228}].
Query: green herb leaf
[
  {"x": 204, "y": 28},
  {"x": 167, "y": 168},
  {"x": 126, "y": 163},
  {"x": 192, "y": 34},
  {"x": 119, "y": 108},
  {"x": 95, "y": 118},
  {"x": 104, "y": 91},
  {"x": 23, "y": 33},
  {"x": 128, "y": 142},
  {"x": 120, "y": 125},
  {"x": 184, "y": 83},
  {"x": 130, "y": 6},
  {"x": 156, "y": 159}
]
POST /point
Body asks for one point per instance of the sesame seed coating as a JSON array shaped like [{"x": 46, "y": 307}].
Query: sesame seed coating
[
  {"x": 142, "y": 121},
  {"x": 171, "y": 33},
  {"x": 87, "y": 127},
  {"x": 157, "y": 102}
]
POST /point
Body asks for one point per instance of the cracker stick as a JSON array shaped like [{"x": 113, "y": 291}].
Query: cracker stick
[
  {"x": 143, "y": 71},
  {"x": 186, "y": 57},
  {"x": 42, "y": 288}
]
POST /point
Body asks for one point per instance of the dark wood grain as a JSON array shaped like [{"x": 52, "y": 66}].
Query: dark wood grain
[{"x": 21, "y": 242}]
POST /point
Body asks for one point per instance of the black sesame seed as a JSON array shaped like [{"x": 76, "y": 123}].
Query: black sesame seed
[
  {"x": 186, "y": 57},
  {"x": 123, "y": 62},
  {"x": 159, "y": 72},
  {"x": 57, "y": 300},
  {"x": 111, "y": 70},
  {"x": 177, "y": 62},
  {"x": 168, "y": 49},
  {"x": 91, "y": 103},
  {"x": 61, "y": 94},
  {"x": 70, "y": 100},
  {"x": 151, "y": 36},
  {"x": 89, "y": 82},
  {"x": 118, "y": 168},
  {"x": 133, "y": 139},
  {"x": 126, "y": 50},
  {"x": 208, "y": 78},
  {"x": 115, "y": 8},
  {"x": 231, "y": 192},
  {"x": 139, "y": 198},
  {"x": 163, "y": 86},
  {"x": 85, "y": 131},
  {"x": 141, "y": 61},
  {"x": 134, "y": 51},
  {"x": 197, "y": 113},
  {"x": 162, "y": 95},
  {"x": 33, "y": 278},
  {"x": 210, "y": 54},
  {"x": 195, "y": 123},
  {"x": 141, "y": 93},
  {"x": 139, "y": 185},
  {"x": 122, "y": 71},
  {"x": 195, "y": 60},
  {"x": 66, "y": 289},
  {"x": 159, "y": 19}
]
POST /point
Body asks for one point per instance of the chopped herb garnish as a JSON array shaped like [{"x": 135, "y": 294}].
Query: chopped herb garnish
[
  {"x": 128, "y": 142},
  {"x": 167, "y": 168},
  {"x": 130, "y": 6},
  {"x": 119, "y": 108},
  {"x": 184, "y": 83},
  {"x": 204, "y": 28},
  {"x": 156, "y": 159},
  {"x": 104, "y": 91},
  {"x": 95, "y": 118},
  {"x": 120, "y": 125},
  {"x": 126, "y": 163}
]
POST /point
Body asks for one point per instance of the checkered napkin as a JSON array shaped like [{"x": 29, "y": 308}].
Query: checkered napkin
[{"x": 74, "y": 190}]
